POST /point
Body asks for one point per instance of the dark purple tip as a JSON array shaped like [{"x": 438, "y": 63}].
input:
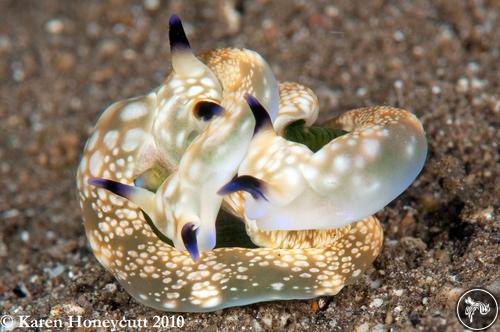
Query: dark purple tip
[
  {"x": 117, "y": 188},
  {"x": 262, "y": 119},
  {"x": 250, "y": 184},
  {"x": 188, "y": 234},
  {"x": 176, "y": 34},
  {"x": 206, "y": 110}
]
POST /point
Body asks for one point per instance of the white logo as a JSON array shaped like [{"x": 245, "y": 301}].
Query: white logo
[
  {"x": 477, "y": 309},
  {"x": 472, "y": 306}
]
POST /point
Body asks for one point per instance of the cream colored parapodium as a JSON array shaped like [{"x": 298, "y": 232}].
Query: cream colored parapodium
[{"x": 348, "y": 179}]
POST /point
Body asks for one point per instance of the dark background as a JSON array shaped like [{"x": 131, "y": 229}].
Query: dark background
[{"x": 63, "y": 62}]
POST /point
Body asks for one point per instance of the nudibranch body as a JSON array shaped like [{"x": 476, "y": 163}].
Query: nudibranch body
[{"x": 153, "y": 166}]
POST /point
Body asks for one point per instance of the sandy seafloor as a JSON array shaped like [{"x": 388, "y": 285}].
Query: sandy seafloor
[{"x": 63, "y": 62}]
